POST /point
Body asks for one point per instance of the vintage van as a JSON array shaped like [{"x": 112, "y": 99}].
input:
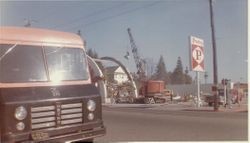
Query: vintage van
[{"x": 46, "y": 94}]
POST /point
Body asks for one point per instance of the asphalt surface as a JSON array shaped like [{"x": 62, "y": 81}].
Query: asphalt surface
[{"x": 173, "y": 123}]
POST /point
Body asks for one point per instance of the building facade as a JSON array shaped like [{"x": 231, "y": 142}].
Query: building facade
[{"x": 116, "y": 74}]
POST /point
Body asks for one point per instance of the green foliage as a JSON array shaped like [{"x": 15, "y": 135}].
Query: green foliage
[
  {"x": 161, "y": 72},
  {"x": 177, "y": 76},
  {"x": 93, "y": 54},
  {"x": 188, "y": 78}
]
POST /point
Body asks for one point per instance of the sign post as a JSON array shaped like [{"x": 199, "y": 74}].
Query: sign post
[{"x": 197, "y": 61}]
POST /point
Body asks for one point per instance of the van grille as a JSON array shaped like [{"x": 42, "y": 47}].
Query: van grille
[{"x": 53, "y": 116}]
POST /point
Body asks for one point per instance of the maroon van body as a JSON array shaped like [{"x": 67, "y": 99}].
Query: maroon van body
[{"x": 46, "y": 94}]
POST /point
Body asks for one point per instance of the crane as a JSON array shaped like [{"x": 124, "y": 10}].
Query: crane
[
  {"x": 153, "y": 91},
  {"x": 140, "y": 63}
]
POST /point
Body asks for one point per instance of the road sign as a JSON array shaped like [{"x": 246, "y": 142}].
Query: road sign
[{"x": 197, "y": 54}]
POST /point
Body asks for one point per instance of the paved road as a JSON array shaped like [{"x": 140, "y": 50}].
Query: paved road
[{"x": 142, "y": 124}]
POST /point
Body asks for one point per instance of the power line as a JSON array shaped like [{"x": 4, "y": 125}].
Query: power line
[
  {"x": 120, "y": 14},
  {"x": 45, "y": 16},
  {"x": 90, "y": 15},
  {"x": 49, "y": 14}
]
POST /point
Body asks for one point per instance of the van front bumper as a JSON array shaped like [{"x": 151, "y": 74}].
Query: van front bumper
[{"x": 59, "y": 135}]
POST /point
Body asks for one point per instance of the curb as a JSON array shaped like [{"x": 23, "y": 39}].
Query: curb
[
  {"x": 132, "y": 105},
  {"x": 176, "y": 107},
  {"x": 211, "y": 110}
]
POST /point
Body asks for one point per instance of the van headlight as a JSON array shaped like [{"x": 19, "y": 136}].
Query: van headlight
[
  {"x": 20, "y": 126},
  {"x": 91, "y": 105},
  {"x": 91, "y": 116},
  {"x": 20, "y": 113}
]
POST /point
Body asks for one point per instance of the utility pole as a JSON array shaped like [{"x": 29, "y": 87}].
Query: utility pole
[{"x": 215, "y": 71}]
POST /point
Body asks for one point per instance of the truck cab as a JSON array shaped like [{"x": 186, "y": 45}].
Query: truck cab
[{"x": 46, "y": 94}]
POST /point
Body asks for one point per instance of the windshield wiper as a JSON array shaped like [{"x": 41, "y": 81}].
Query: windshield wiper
[{"x": 8, "y": 51}]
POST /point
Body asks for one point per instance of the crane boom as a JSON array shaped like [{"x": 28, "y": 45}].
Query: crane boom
[
  {"x": 140, "y": 63},
  {"x": 145, "y": 86}
]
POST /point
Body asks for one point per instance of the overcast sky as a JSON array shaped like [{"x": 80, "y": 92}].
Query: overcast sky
[{"x": 158, "y": 28}]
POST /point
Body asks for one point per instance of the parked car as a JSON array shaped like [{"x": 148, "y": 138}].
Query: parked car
[{"x": 209, "y": 98}]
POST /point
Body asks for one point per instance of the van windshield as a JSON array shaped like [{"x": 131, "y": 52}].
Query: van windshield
[
  {"x": 24, "y": 63},
  {"x": 66, "y": 63}
]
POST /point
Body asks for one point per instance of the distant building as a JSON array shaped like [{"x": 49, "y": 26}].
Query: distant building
[
  {"x": 242, "y": 87},
  {"x": 191, "y": 89},
  {"x": 116, "y": 74},
  {"x": 187, "y": 89}
]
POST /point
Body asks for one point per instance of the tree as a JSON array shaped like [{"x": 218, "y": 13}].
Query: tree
[
  {"x": 177, "y": 77},
  {"x": 93, "y": 54},
  {"x": 161, "y": 72},
  {"x": 188, "y": 78}
]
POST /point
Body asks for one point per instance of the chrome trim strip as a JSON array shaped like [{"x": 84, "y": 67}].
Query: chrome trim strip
[
  {"x": 43, "y": 125},
  {"x": 40, "y": 120},
  {"x": 45, "y": 108},
  {"x": 70, "y": 116},
  {"x": 64, "y": 122},
  {"x": 74, "y": 105},
  {"x": 43, "y": 114},
  {"x": 67, "y": 111}
]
